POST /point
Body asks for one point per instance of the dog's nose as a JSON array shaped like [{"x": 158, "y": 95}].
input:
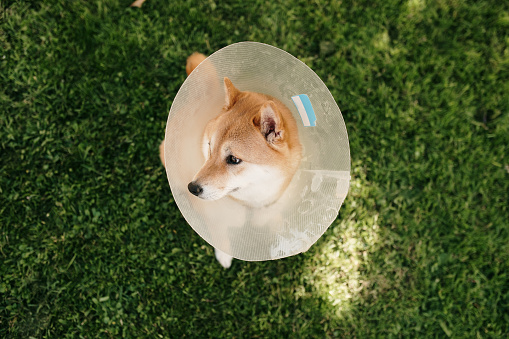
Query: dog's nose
[{"x": 194, "y": 188}]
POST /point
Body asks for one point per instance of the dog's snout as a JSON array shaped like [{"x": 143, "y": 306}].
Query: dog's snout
[{"x": 194, "y": 188}]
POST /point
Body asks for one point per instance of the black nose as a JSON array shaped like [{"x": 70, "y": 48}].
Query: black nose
[{"x": 194, "y": 188}]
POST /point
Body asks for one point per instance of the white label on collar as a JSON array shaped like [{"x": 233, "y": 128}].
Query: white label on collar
[{"x": 307, "y": 114}]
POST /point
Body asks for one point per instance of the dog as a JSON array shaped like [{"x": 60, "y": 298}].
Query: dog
[{"x": 251, "y": 150}]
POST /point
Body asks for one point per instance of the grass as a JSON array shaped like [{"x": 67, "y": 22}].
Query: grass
[{"x": 93, "y": 245}]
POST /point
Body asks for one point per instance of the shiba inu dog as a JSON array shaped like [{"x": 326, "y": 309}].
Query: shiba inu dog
[{"x": 251, "y": 150}]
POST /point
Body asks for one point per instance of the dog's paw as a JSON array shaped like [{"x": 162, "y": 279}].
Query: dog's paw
[{"x": 224, "y": 259}]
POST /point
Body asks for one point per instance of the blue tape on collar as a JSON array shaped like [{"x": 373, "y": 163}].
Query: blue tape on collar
[{"x": 307, "y": 114}]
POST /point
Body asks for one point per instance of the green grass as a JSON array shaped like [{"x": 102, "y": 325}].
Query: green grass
[{"x": 93, "y": 245}]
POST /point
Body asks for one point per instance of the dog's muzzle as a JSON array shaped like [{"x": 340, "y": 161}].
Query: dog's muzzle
[{"x": 194, "y": 188}]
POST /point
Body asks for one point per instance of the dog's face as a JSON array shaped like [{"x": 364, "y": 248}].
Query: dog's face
[{"x": 248, "y": 151}]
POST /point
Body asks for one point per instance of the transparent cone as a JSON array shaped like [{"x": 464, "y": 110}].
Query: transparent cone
[{"x": 312, "y": 200}]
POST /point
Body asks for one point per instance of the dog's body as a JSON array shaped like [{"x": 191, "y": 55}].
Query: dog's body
[{"x": 251, "y": 150}]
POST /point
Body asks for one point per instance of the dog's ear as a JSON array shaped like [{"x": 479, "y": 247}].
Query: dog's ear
[
  {"x": 231, "y": 93},
  {"x": 270, "y": 122}
]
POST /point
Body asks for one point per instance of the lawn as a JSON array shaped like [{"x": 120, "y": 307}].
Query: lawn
[{"x": 93, "y": 245}]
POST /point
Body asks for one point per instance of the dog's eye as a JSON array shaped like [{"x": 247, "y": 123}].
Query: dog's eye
[{"x": 232, "y": 160}]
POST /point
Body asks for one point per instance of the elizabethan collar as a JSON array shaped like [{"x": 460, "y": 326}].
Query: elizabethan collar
[{"x": 312, "y": 200}]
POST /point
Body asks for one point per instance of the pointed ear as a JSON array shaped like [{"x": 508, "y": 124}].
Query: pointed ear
[
  {"x": 231, "y": 93},
  {"x": 270, "y": 123}
]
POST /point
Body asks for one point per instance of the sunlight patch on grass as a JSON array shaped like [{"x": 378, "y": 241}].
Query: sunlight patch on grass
[
  {"x": 415, "y": 6},
  {"x": 503, "y": 19},
  {"x": 382, "y": 41},
  {"x": 336, "y": 270}
]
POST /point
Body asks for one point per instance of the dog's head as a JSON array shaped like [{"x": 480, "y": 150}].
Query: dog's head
[{"x": 250, "y": 153}]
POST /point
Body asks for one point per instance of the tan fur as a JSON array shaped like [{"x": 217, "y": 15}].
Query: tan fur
[
  {"x": 193, "y": 61},
  {"x": 238, "y": 129},
  {"x": 259, "y": 130}
]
